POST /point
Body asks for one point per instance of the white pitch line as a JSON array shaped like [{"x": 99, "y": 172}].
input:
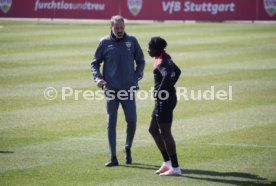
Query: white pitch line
[
  {"x": 238, "y": 145},
  {"x": 139, "y": 141},
  {"x": 118, "y": 140}
]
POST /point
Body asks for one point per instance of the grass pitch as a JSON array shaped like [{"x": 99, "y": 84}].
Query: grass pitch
[{"x": 63, "y": 142}]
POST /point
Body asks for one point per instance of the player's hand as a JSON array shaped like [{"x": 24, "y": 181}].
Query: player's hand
[{"x": 101, "y": 83}]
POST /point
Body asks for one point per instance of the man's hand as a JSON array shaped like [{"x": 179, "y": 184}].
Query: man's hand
[{"x": 101, "y": 83}]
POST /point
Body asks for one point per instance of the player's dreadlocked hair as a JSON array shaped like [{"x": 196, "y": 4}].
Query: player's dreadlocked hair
[{"x": 159, "y": 44}]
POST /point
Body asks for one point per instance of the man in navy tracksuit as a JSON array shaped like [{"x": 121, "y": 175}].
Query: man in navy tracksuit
[{"x": 122, "y": 69}]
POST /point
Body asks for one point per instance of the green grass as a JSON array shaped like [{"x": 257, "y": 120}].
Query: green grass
[{"x": 63, "y": 142}]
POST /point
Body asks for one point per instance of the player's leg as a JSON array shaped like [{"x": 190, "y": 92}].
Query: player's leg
[
  {"x": 164, "y": 120},
  {"x": 112, "y": 109},
  {"x": 129, "y": 107},
  {"x": 155, "y": 133}
]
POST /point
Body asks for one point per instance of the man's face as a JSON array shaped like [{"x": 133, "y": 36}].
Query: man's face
[{"x": 118, "y": 29}]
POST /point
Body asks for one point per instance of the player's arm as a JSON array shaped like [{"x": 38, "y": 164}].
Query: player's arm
[
  {"x": 166, "y": 77},
  {"x": 96, "y": 65},
  {"x": 140, "y": 61}
]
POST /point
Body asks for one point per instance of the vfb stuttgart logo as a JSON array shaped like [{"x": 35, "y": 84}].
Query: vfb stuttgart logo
[
  {"x": 5, "y": 5},
  {"x": 270, "y": 7},
  {"x": 135, "y": 6}
]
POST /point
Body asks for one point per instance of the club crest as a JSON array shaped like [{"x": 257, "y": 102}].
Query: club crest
[
  {"x": 134, "y": 6},
  {"x": 128, "y": 44},
  {"x": 5, "y": 5},
  {"x": 270, "y": 7}
]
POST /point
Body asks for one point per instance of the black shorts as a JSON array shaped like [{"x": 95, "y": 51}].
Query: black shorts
[{"x": 163, "y": 109}]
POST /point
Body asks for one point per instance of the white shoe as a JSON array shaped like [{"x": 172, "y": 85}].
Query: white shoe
[
  {"x": 172, "y": 172},
  {"x": 165, "y": 167}
]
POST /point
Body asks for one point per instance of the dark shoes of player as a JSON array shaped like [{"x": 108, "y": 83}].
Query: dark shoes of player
[
  {"x": 113, "y": 162},
  {"x": 128, "y": 158}
]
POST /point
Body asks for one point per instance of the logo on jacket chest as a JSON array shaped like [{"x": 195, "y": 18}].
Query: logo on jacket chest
[
  {"x": 128, "y": 45},
  {"x": 110, "y": 47}
]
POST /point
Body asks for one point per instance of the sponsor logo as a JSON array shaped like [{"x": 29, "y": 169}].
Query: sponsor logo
[
  {"x": 5, "y": 5},
  {"x": 205, "y": 7},
  {"x": 270, "y": 7},
  {"x": 62, "y": 5},
  {"x": 134, "y": 6}
]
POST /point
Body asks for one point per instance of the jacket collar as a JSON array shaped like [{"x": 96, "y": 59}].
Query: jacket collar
[{"x": 113, "y": 37}]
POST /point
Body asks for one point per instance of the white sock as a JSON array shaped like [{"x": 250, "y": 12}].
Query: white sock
[
  {"x": 168, "y": 163},
  {"x": 176, "y": 169}
]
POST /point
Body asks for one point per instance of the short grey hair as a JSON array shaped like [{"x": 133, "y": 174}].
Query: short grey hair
[{"x": 115, "y": 19}]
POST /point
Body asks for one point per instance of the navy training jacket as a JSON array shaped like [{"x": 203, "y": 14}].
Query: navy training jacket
[{"x": 123, "y": 62}]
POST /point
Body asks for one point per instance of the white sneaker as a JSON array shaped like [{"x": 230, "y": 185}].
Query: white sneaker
[
  {"x": 172, "y": 172},
  {"x": 165, "y": 167}
]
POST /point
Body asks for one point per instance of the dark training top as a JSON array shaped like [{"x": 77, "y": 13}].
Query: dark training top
[{"x": 166, "y": 73}]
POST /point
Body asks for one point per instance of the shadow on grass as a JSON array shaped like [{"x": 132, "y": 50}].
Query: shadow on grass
[
  {"x": 214, "y": 176},
  {"x": 5, "y": 152}
]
